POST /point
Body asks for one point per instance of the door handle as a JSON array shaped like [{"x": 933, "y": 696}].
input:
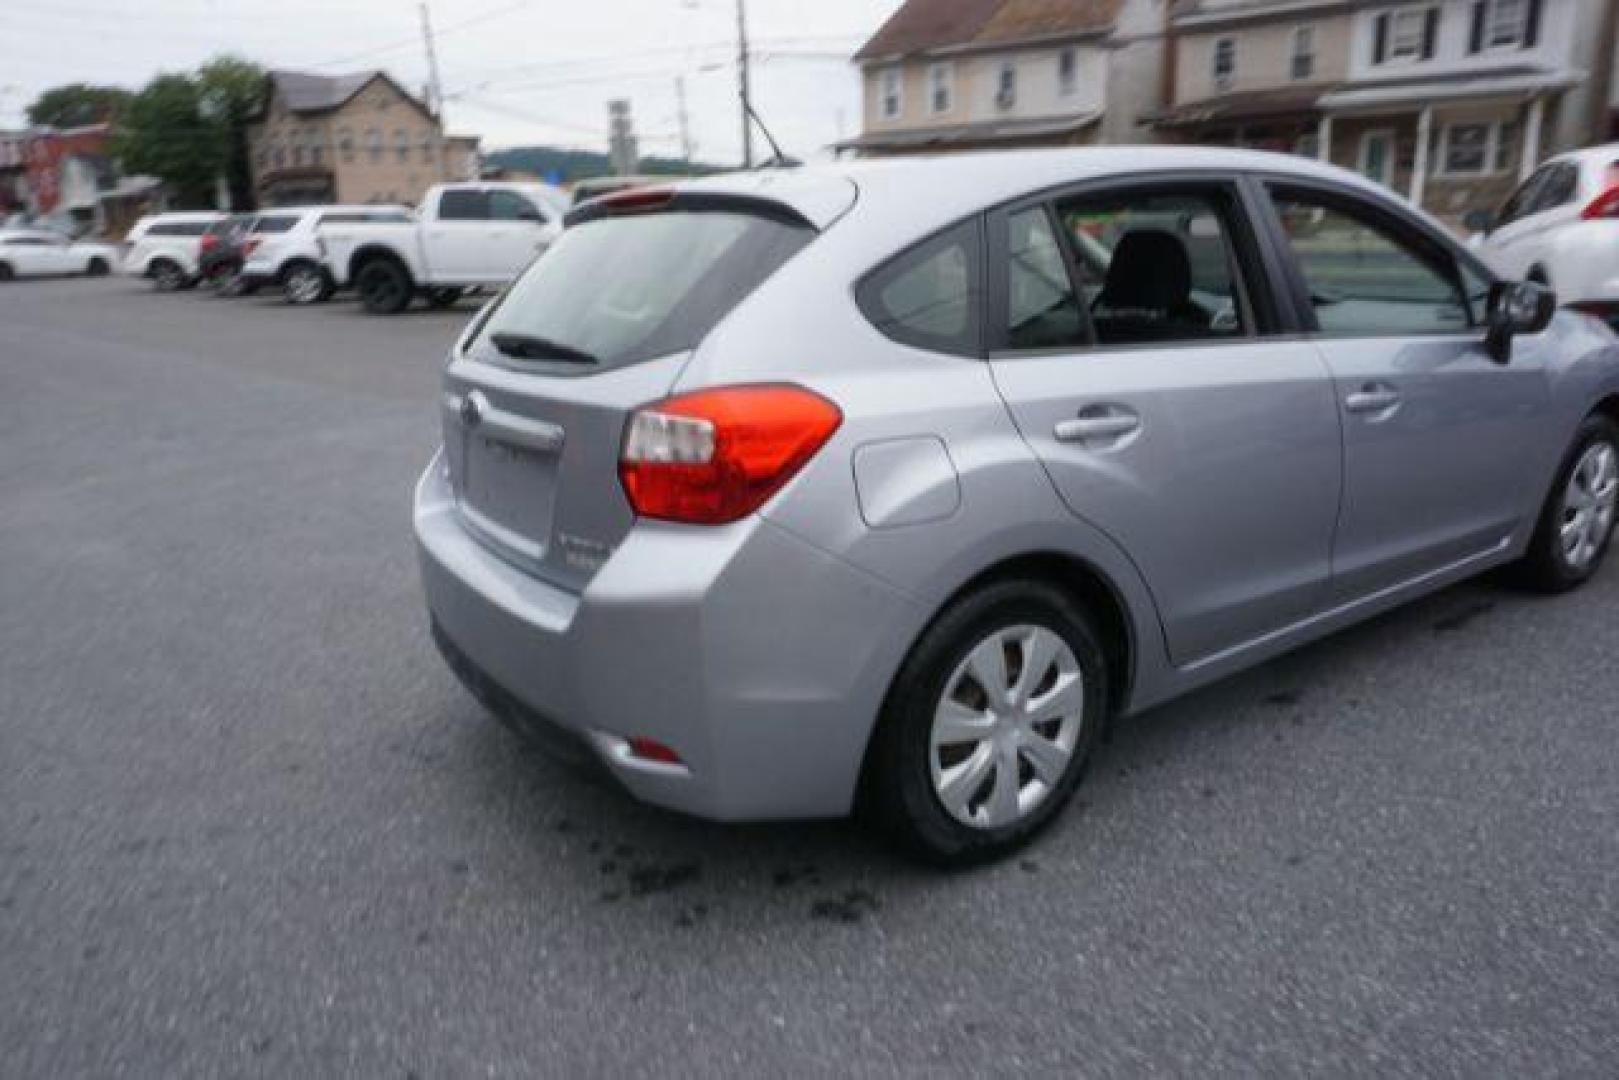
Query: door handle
[
  {"x": 1372, "y": 398},
  {"x": 1097, "y": 423}
]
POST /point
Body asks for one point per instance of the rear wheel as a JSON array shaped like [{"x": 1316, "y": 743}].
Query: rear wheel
[
  {"x": 384, "y": 287},
  {"x": 305, "y": 283},
  {"x": 97, "y": 267},
  {"x": 989, "y": 723},
  {"x": 6, "y": 273},
  {"x": 166, "y": 275},
  {"x": 1576, "y": 524}
]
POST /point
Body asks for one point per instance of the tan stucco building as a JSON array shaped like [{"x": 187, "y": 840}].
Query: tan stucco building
[{"x": 350, "y": 139}]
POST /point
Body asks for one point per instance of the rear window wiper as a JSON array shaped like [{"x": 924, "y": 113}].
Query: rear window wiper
[{"x": 531, "y": 347}]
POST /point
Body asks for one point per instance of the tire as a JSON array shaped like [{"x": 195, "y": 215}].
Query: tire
[
  {"x": 445, "y": 297},
  {"x": 1577, "y": 520},
  {"x": 6, "y": 273},
  {"x": 907, "y": 773},
  {"x": 97, "y": 268},
  {"x": 166, "y": 275},
  {"x": 305, "y": 283},
  {"x": 384, "y": 286}
]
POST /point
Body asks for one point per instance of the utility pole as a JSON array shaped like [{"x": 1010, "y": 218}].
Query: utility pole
[
  {"x": 435, "y": 91},
  {"x": 686, "y": 150},
  {"x": 743, "y": 92}
]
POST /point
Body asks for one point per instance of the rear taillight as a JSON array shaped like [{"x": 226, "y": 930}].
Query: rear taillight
[
  {"x": 209, "y": 242},
  {"x": 714, "y": 456},
  {"x": 1606, "y": 204}
]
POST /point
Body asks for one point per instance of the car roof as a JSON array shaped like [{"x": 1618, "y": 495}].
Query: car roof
[{"x": 947, "y": 188}]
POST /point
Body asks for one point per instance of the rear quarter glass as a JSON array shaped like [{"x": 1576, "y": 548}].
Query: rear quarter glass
[{"x": 623, "y": 289}]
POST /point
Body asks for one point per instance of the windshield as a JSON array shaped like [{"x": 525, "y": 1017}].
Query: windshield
[{"x": 619, "y": 290}]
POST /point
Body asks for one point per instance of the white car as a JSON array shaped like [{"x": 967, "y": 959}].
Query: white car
[
  {"x": 282, "y": 248},
  {"x": 42, "y": 253},
  {"x": 464, "y": 236},
  {"x": 164, "y": 247},
  {"x": 1561, "y": 228}
]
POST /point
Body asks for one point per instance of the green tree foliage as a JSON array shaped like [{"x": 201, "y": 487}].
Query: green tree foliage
[
  {"x": 166, "y": 132},
  {"x": 232, "y": 94},
  {"x": 77, "y": 104}
]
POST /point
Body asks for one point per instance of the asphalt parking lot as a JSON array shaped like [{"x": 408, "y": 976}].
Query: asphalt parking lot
[{"x": 249, "y": 824}]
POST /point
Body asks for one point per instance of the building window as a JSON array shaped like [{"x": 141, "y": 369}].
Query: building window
[
  {"x": 401, "y": 145},
  {"x": 1467, "y": 149},
  {"x": 1068, "y": 72},
  {"x": 1303, "y": 52},
  {"x": 941, "y": 88},
  {"x": 427, "y": 147},
  {"x": 1225, "y": 62},
  {"x": 373, "y": 145},
  {"x": 317, "y": 154},
  {"x": 1006, "y": 85},
  {"x": 1505, "y": 23},
  {"x": 345, "y": 143},
  {"x": 1405, "y": 34},
  {"x": 1506, "y": 146},
  {"x": 891, "y": 84}
]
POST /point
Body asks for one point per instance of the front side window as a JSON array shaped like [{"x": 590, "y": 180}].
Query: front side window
[
  {"x": 890, "y": 90},
  {"x": 1364, "y": 278},
  {"x": 940, "y": 88},
  {"x": 929, "y": 296},
  {"x": 509, "y": 206},
  {"x": 275, "y": 223},
  {"x": 1041, "y": 308},
  {"x": 1157, "y": 267},
  {"x": 1225, "y": 62}
]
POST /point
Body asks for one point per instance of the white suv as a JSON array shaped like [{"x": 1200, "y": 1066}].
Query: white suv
[
  {"x": 164, "y": 247},
  {"x": 282, "y": 248},
  {"x": 1561, "y": 228}
]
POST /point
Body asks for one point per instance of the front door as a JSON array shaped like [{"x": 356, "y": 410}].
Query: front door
[
  {"x": 1136, "y": 352},
  {"x": 1377, "y": 156},
  {"x": 1440, "y": 445}
]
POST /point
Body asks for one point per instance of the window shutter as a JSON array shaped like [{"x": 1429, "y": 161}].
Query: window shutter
[
  {"x": 1380, "y": 39},
  {"x": 1531, "y": 30},
  {"x": 1430, "y": 33},
  {"x": 1476, "y": 42}
]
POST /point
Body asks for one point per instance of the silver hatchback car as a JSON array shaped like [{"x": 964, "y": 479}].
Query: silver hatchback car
[{"x": 893, "y": 483}]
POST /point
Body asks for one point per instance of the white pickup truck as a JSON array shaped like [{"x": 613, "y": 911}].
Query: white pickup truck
[{"x": 463, "y": 236}]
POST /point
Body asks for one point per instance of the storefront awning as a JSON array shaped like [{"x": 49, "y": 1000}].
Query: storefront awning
[
  {"x": 1254, "y": 106},
  {"x": 1412, "y": 93}
]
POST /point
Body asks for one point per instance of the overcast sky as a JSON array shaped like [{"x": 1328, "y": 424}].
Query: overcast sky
[{"x": 516, "y": 72}]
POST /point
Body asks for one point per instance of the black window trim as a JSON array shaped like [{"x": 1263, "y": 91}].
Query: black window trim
[
  {"x": 978, "y": 286},
  {"x": 1440, "y": 252},
  {"x": 1255, "y": 268}
]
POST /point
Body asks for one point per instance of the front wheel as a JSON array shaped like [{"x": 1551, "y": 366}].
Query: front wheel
[
  {"x": 384, "y": 287},
  {"x": 167, "y": 276},
  {"x": 989, "y": 723},
  {"x": 1576, "y": 524},
  {"x": 98, "y": 267}
]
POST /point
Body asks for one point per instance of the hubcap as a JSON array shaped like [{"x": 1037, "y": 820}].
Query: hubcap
[
  {"x": 1588, "y": 505},
  {"x": 304, "y": 286},
  {"x": 1006, "y": 727}
]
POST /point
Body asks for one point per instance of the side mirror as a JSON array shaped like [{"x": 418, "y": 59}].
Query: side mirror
[
  {"x": 1479, "y": 220},
  {"x": 1515, "y": 307}
]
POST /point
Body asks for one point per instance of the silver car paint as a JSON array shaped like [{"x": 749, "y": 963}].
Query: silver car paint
[{"x": 763, "y": 650}]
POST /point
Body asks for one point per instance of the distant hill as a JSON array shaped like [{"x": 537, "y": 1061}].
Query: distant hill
[{"x": 571, "y": 165}]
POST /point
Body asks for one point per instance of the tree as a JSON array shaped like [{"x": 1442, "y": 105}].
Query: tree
[
  {"x": 232, "y": 95},
  {"x": 77, "y": 104},
  {"x": 165, "y": 131}
]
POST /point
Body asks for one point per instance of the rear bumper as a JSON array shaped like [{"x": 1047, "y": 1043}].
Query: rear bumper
[{"x": 759, "y": 659}]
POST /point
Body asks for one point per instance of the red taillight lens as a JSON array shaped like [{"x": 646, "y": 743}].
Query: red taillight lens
[
  {"x": 652, "y": 750},
  {"x": 208, "y": 242},
  {"x": 645, "y": 198},
  {"x": 1605, "y": 205},
  {"x": 714, "y": 456}
]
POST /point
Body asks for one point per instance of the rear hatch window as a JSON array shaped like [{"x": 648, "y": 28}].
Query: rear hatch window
[{"x": 621, "y": 288}]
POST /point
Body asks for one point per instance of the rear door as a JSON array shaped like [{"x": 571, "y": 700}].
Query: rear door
[
  {"x": 1135, "y": 337},
  {"x": 458, "y": 237},
  {"x": 1440, "y": 444}
]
